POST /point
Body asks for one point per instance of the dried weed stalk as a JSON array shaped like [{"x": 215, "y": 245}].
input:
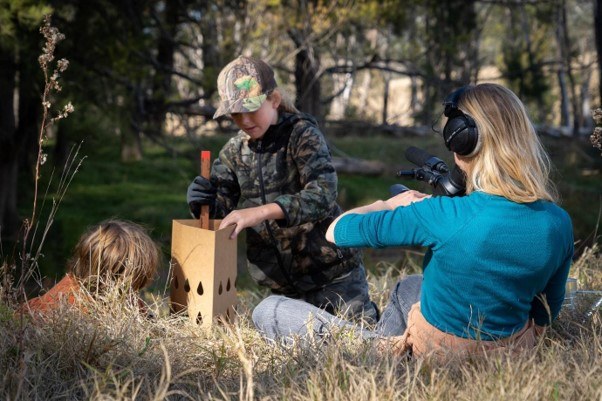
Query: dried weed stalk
[{"x": 31, "y": 247}]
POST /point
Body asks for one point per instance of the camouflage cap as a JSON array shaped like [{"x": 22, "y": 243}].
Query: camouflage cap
[{"x": 243, "y": 85}]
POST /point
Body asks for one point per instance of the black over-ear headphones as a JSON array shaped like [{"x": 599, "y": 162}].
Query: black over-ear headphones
[{"x": 460, "y": 132}]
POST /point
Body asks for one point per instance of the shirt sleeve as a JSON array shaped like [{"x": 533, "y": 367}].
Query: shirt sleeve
[
  {"x": 430, "y": 222},
  {"x": 380, "y": 229},
  {"x": 317, "y": 176},
  {"x": 228, "y": 189}
]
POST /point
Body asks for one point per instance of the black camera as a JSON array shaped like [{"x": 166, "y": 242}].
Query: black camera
[{"x": 434, "y": 171}]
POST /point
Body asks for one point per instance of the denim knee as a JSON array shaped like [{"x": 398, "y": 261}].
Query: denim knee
[
  {"x": 407, "y": 292},
  {"x": 265, "y": 310}
]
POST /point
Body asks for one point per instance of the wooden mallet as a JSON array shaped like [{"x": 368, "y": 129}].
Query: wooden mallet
[{"x": 206, "y": 173}]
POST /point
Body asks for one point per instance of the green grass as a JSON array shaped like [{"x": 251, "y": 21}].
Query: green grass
[{"x": 152, "y": 191}]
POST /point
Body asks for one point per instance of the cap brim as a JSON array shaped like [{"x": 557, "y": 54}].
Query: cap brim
[
  {"x": 229, "y": 108},
  {"x": 246, "y": 105},
  {"x": 221, "y": 111}
]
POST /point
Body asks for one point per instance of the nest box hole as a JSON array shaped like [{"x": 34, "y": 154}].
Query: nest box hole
[
  {"x": 175, "y": 282},
  {"x": 199, "y": 289},
  {"x": 220, "y": 289},
  {"x": 199, "y": 318},
  {"x": 186, "y": 286},
  {"x": 228, "y": 285}
]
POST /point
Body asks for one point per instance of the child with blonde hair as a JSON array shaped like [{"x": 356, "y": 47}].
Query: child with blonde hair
[
  {"x": 497, "y": 259},
  {"x": 114, "y": 252}
]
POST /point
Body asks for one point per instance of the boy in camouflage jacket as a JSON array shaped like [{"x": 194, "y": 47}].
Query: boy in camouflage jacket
[{"x": 278, "y": 168}]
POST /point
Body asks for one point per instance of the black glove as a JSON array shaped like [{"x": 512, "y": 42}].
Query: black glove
[{"x": 201, "y": 191}]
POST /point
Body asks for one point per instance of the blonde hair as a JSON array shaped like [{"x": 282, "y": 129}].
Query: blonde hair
[
  {"x": 286, "y": 102},
  {"x": 116, "y": 251},
  {"x": 511, "y": 161}
]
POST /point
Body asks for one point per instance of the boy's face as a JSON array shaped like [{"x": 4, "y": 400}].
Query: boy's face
[{"x": 256, "y": 123}]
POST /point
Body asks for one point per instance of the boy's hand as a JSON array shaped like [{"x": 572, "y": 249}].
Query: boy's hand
[
  {"x": 406, "y": 198},
  {"x": 200, "y": 192},
  {"x": 241, "y": 219},
  {"x": 250, "y": 217}
]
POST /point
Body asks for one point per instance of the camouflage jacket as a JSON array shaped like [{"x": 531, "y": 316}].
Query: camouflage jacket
[{"x": 290, "y": 166}]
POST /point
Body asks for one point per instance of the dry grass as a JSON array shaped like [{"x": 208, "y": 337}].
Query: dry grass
[{"x": 111, "y": 352}]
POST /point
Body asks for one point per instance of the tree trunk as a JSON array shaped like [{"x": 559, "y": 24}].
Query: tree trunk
[
  {"x": 342, "y": 83},
  {"x": 9, "y": 160},
  {"x": 60, "y": 147},
  {"x": 413, "y": 96},
  {"x": 562, "y": 34},
  {"x": 131, "y": 145},
  {"x": 586, "y": 102},
  {"x": 366, "y": 85},
  {"x": 364, "y": 92},
  {"x": 162, "y": 80},
  {"x": 598, "y": 29},
  {"x": 533, "y": 69},
  {"x": 565, "y": 116},
  {"x": 213, "y": 58},
  {"x": 30, "y": 109},
  {"x": 387, "y": 80},
  {"x": 131, "y": 134},
  {"x": 307, "y": 82}
]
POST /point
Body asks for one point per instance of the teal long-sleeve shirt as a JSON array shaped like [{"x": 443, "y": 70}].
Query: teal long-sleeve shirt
[{"x": 489, "y": 261}]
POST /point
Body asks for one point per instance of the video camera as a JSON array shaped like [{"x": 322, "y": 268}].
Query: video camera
[{"x": 434, "y": 171}]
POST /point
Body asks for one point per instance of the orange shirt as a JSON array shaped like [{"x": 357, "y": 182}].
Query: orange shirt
[
  {"x": 68, "y": 291},
  {"x": 63, "y": 291}
]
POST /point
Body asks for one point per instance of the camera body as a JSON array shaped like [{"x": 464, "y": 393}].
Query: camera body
[{"x": 434, "y": 171}]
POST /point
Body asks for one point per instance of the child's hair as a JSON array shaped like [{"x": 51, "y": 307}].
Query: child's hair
[
  {"x": 286, "y": 103},
  {"x": 115, "y": 251},
  {"x": 512, "y": 161}
]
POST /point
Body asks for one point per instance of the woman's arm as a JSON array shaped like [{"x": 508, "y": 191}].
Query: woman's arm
[
  {"x": 403, "y": 199},
  {"x": 373, "y": 207}
]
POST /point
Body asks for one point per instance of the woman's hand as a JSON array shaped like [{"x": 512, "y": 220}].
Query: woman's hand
[
  {"x": 539, "y": 330},
  {"x": 397, "y": 345},
  {"x": 406, "y": 198},
  {"x": 250, "y": 217}
]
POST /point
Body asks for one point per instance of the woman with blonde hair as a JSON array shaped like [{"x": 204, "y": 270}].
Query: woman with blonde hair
[
  {"x": 112, "y": 253},
  {"x": 497, "y": 259},
  {"x": 508, "y": 159}
]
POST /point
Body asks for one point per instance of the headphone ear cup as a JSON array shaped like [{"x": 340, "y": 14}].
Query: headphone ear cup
[{"x": 460, "y": 134}]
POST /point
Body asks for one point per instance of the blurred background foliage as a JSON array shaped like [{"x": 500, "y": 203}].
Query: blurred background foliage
[{"x": 142, "y": 78}]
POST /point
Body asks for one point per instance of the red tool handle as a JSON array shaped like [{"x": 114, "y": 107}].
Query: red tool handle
[{"x": 205, "y": 172}]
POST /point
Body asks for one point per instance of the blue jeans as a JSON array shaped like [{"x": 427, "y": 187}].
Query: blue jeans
[
  {"x": 281, "y": 318},
  {"x": 346, "y": 295}
]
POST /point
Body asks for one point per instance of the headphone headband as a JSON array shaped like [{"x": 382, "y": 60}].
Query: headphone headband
[{"x": 451, "y": 101}]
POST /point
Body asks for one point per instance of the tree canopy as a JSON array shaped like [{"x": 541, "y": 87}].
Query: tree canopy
[{"x": 148, "y": 68}]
